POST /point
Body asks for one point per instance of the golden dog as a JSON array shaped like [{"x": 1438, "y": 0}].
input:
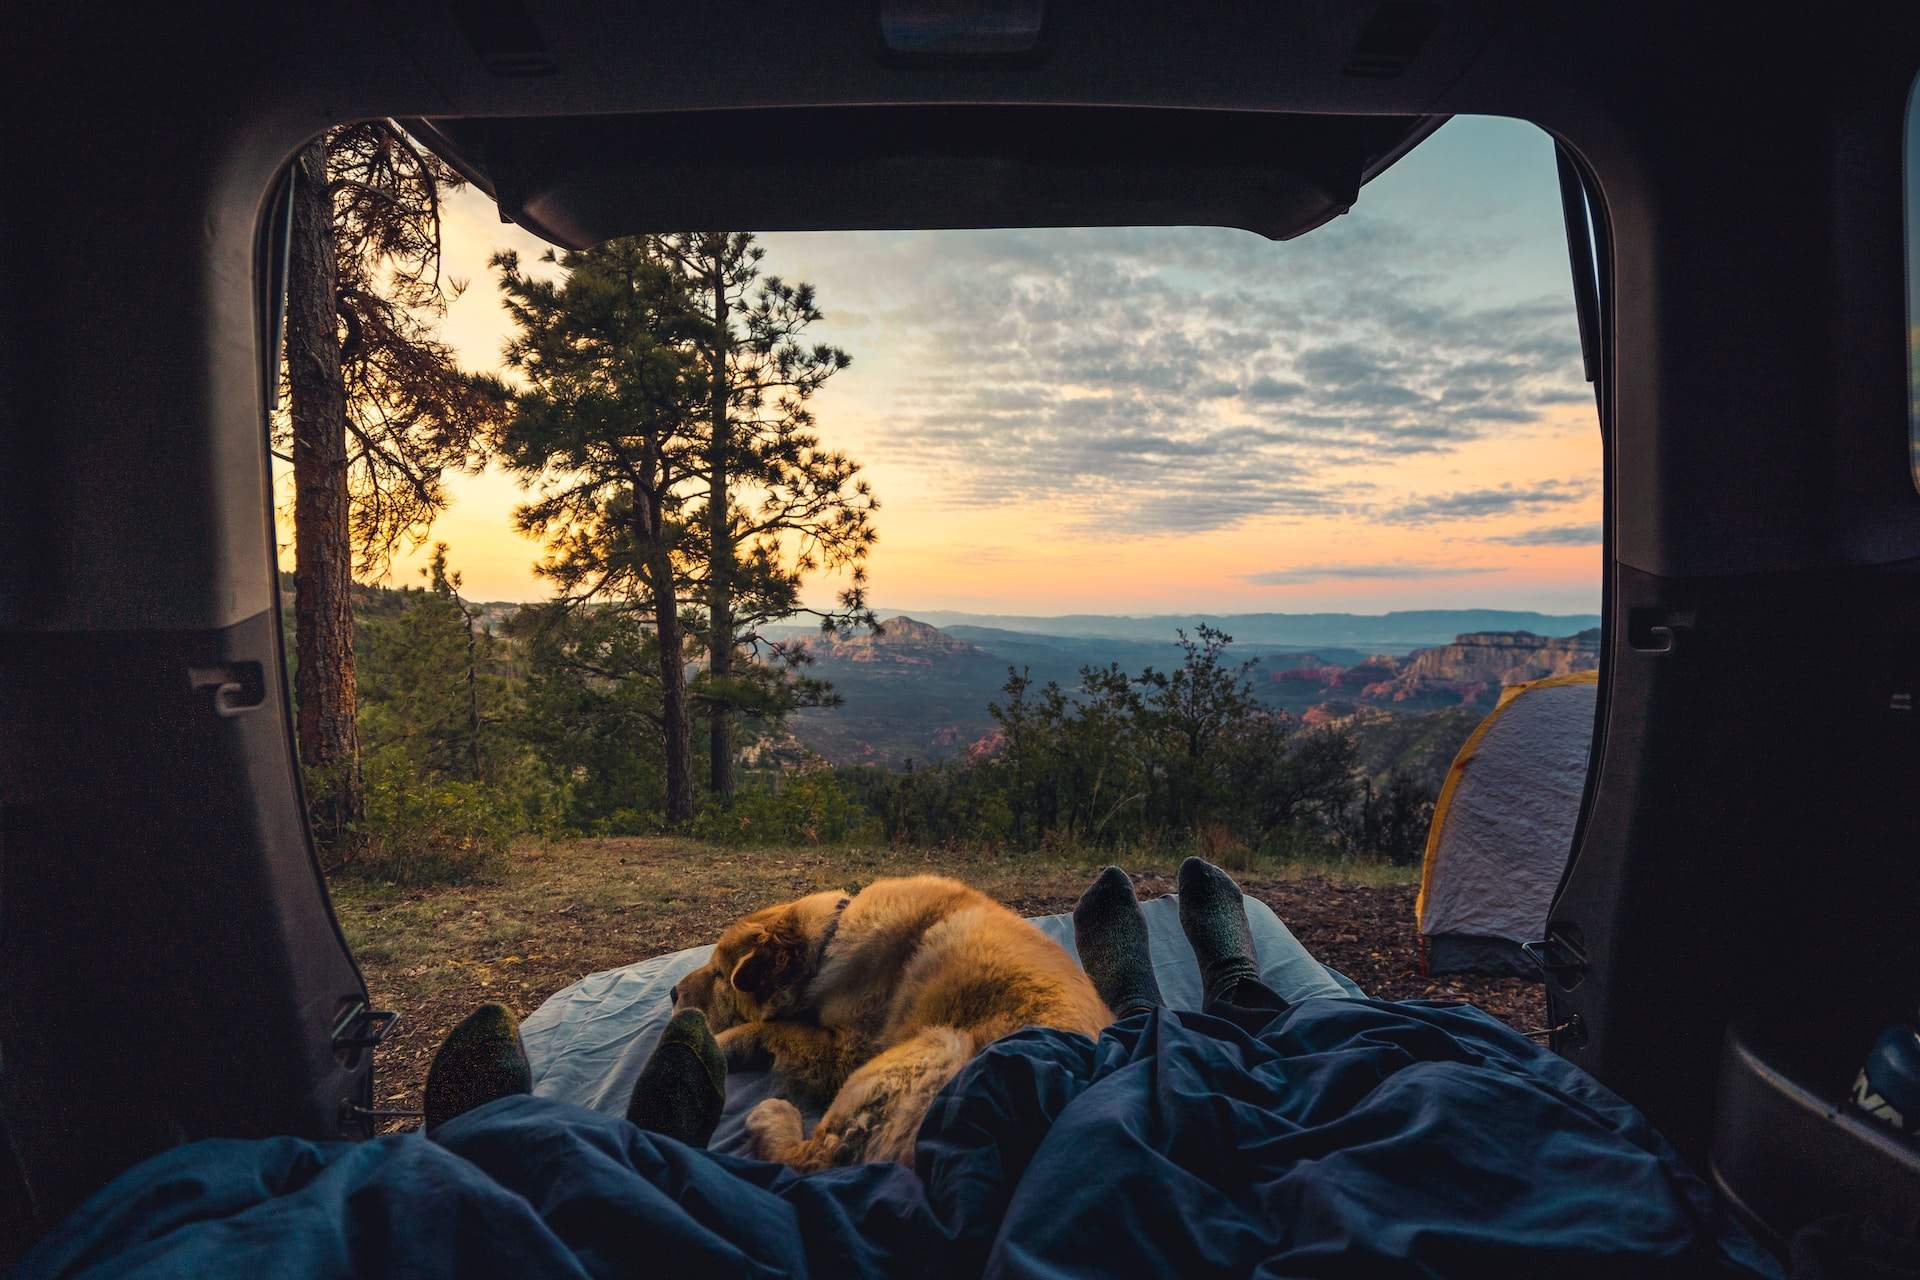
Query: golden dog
[{"x": 874, "y": 1002}]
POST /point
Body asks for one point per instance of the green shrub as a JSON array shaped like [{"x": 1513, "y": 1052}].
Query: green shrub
[
  {"x": 627, "y": 822},
  {"x": 807, "y": 808},
  {"x": 942, "y": 804},
  {"x": 426, "y": 831},
  {"x": 1219, "y": 844},
  {"x": 540, "y": 801}
]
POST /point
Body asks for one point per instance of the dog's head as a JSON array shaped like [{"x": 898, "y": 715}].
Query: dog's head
[{"x": 761, "y": 966}]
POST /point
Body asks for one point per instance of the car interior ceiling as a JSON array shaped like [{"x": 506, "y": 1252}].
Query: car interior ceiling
[{"x": 1739, "y": 916}]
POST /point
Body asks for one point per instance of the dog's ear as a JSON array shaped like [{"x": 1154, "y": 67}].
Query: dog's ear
[{"x": 775, "y": 960}]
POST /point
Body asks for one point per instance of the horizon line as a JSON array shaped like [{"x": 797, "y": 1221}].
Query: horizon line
[{"x": 1120, "y": 614}]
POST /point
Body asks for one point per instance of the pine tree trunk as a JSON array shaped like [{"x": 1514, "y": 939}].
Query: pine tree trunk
[
  {"x": 473, "y": 692},
  {"x": 323, "y": 553},
  {"x": 676, "y": 724},
  {"x": 720, "y": 567}
]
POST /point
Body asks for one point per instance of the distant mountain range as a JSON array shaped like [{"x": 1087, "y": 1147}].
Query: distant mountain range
[
  {"x": 1410, "y": 684},
  {"x": 1395, "y": 632},
  {"x": 916, "y": 692}
]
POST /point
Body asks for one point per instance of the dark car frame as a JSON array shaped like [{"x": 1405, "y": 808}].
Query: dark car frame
[{"x": 1742, "y": 910}]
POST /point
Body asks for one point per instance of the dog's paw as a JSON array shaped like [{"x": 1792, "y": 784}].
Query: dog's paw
[
  {"x": 743, "y": 1048},
  {"x": 773, "y": 1128}
]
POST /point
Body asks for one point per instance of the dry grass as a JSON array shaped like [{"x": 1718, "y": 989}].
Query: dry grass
[{"x": 556, "y": 912}]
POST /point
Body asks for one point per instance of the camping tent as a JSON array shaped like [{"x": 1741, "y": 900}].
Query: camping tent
[{"x": 1503, "y": 827}]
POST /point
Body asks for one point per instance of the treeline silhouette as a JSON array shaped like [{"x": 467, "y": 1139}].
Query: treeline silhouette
[
  {"x": 473, "y": 734},
  {"x": 1182, "y": 756}
]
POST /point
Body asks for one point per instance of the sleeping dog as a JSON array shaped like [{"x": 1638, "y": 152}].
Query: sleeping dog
[{"x": 870, "y": 1004}]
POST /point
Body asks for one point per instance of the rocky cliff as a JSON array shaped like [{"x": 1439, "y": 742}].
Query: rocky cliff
[
  {"x": 1505, "y": 657},
  {"x": 1469, "y": 672},
  {"x": 901, "y": 641},
  {"x": 910, "y": 693}
]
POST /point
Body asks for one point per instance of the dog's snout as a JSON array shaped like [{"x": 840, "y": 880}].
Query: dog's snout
[{"x": 673, "y": 993}]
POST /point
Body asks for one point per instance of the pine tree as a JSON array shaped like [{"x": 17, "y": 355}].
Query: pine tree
[
  {"x": 590, "y": 711},
  {"x": 378, "y": 411},
  {"x": 430, "y": 682},
  {"x": 609, "y": 433},
  {"x": 1194, "y": 709},
  {"x": 777, "y": 505}
]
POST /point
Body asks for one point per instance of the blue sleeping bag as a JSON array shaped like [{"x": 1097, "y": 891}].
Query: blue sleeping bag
[{"x": 1343, "y": 1137}]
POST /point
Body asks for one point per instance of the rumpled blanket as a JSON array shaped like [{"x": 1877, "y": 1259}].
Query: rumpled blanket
[{"x": 1343, "y": 1137}]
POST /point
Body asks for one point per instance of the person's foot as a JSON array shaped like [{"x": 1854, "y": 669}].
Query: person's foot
[
  {"x": 1214, "y": 919},
  {"x": 683, "y": 1087},
  {"x": 480, "y": 1061},
  {"x": 1111, "y": 936}
]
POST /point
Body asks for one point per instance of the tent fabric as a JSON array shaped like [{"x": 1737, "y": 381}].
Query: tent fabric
[
  {"x": 1503, "y": 827},
  {"x": 588, "y": 1042},
  {"x": 1340, "y": 1138}
]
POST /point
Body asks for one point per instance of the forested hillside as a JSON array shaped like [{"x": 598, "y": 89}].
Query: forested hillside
[
  {"x": 478, "y": 723},
  {"x": 913, "y": 693}
]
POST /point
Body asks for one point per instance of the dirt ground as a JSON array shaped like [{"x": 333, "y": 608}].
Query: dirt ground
[{"x": 556, "y": 913}]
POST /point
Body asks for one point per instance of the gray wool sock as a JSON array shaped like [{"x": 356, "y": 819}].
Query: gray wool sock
[
  {"x": 480, "y": 1061},
  {"x": 1214, "y": 919},
  {"x": 1111, "y": 936},
  {"x": 683, "y": 1087}
]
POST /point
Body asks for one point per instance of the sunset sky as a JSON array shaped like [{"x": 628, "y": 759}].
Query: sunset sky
[{"x": 1387, "y": 413}]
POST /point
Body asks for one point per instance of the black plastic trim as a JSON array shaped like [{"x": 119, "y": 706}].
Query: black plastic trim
[{"x": 1789, "y": 1150}]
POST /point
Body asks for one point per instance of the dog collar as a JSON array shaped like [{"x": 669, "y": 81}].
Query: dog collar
[{"x": 826, "y": 934}]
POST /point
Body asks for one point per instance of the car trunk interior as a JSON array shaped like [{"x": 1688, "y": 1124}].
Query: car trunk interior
[{"x": 1742, "y": 911}]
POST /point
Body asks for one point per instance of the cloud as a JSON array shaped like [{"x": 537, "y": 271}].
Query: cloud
[
  {"x": 1323, "y": 572},
  {"x": 1477, "y": 504},
  {"x": 1156, "y": 380},
  {"x": 1553, "y": 535},
  {"x": 1270, "y": 388}
]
